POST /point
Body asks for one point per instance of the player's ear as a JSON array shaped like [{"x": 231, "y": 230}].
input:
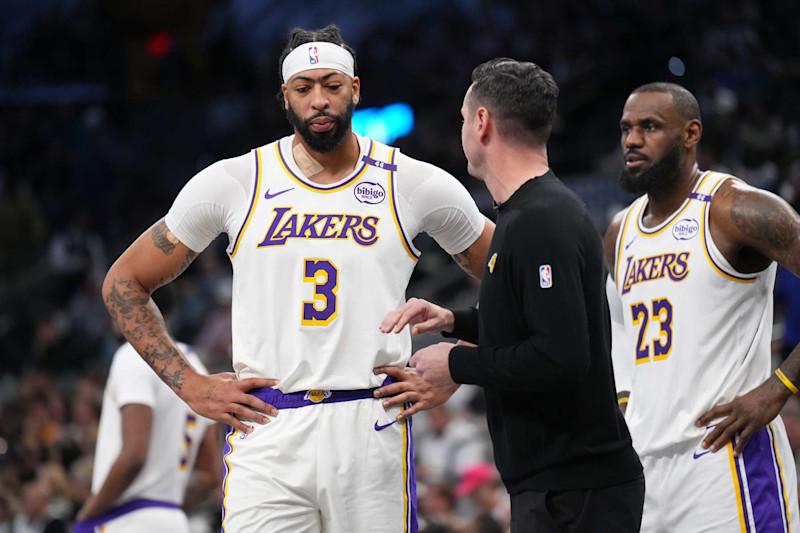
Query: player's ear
[
  {"x": 356, "y": 90},
  {"x": 285, "y": 90},
  {"x": 692, "y": 132}
]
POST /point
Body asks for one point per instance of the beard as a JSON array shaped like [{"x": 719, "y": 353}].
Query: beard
[
  {"x": 327, "y": 141},
  {"x": 660, "y": 175}
]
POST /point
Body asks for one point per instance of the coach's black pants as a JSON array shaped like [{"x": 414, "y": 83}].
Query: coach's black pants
[{"x": 616, "y": 509}]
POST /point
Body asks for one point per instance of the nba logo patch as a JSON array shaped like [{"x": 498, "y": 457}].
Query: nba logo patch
[
  {"x": 545, "y": 276},
  {"x": 313, "y": 58}
]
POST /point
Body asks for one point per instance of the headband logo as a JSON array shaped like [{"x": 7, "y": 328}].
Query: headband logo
[{"x": 313, "y": 58}]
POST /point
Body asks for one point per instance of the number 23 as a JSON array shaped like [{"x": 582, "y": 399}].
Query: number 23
[{"x": 662, "y": 345}]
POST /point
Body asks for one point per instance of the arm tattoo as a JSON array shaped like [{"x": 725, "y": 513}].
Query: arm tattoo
[
  {"x": 758, "y": 217},
  {"x": 131, "y": 309},
  {"x": 163, "y": 239}
]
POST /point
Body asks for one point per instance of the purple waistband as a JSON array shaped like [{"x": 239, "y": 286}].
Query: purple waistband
[
  {"x": 293, "y": 400},
  {"x": 87, "y": 526}
]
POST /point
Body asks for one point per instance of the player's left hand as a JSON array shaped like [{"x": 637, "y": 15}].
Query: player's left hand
[
  {"x": 744, "y": 416},
  {"x": 433, "y": 364},
  {"x": 410, "y": 388}
]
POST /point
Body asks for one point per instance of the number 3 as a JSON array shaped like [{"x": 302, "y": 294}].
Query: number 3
[
  {"x": 322, "y": 310},
  {"x": 662, "y": 345}
]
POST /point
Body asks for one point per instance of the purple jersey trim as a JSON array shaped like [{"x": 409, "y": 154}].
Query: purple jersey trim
[
  {"x": 294, "y": 400},
  {"x": 380, "y": 164},
  {"x": 311, "y": 185},
  {"x": 764, "y": 483},
  {"x": 700, "y": 197},
  {"x": 87, "y": 526}
]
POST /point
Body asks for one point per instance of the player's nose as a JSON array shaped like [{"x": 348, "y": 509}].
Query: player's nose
[
  {"x": 633, "y": 138},
  {"x": 319, "y": 98}
]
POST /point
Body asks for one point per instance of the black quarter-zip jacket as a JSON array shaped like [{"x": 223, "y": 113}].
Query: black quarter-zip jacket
[{"x": 544, "y": 347}]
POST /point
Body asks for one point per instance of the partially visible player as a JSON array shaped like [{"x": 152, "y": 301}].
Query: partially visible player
[
  {"x": 147, "y": 442},
  {"x": 693, "y": 267},
  {"x": 320, "y": 226}
]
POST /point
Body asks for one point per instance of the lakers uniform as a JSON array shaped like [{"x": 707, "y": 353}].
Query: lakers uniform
[
  {"x": 153, "y": 501},
  {"x": 315, "y": 269},
  {"x": 697, "y": 334}
]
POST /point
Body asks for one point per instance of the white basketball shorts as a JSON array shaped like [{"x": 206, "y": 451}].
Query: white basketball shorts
[
  {"x": 331, "y": 461},
  {"x": 691, "y": 489}
]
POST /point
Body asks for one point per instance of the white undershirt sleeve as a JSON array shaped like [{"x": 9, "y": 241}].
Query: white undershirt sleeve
[
  {"x": 435, "y": 202},
  {"x": 621, "y": 350},
  {"x": 211, "y": 202}
]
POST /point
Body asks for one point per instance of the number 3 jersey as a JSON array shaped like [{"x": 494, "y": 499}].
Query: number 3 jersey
[
  {"x": 696, "y": 332},
  {"x": 317, "y": 267}
]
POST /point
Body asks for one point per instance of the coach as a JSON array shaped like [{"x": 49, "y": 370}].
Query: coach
[{"x": 542, "y": 326}]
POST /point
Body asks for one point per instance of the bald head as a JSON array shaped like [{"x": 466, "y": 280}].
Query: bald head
[{"x": 682, "y": 100}]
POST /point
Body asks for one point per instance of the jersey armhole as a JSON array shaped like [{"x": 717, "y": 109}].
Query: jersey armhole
[
  {"x": 409, "y": 247},
  {"x": 234, "y": 246}
]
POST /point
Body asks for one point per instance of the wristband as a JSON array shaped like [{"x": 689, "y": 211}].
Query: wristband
[{"x": 789, "y": 385}]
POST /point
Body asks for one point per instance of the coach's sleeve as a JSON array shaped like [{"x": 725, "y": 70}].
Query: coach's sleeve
[{"x": 557, "y": 353}]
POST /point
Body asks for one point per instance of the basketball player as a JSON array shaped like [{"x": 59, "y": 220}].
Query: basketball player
[
  {"x": 693, "y": 266},
  {"x": 147, "y": 443},
  {"x": 320, "y": 227}
]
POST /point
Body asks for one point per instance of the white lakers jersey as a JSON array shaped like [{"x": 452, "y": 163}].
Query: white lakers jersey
[
  {"x": 315, "y": 269},
  {"x": 175, "y": 436},
  {"x": 697, "y": 331}
]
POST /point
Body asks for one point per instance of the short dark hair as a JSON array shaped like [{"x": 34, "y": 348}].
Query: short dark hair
[
  {"x": 683, "y": 100},
  {"x": 298, "y": 36},
  {"x": 520, "y": 94}
]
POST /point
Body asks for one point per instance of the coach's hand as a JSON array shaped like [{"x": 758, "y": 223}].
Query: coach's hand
[
  {"x": 424, "y": 317},
  {"x": 433, "y": 364},
  {"x": 744, "y": 416},
  {"x": 221, "y": 396},
  {"x": 410, "y": 388}
]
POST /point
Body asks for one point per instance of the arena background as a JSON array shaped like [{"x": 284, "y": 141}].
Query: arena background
[{"x": 108, "y": 107}]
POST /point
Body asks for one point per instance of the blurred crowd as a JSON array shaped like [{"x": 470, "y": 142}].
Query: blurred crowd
[{"x": 107, "y": 108}]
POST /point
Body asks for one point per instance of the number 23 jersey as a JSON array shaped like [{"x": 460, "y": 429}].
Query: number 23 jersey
[
  {"x": 697, "y": 332},
  {"x": 317, "y": 267}
]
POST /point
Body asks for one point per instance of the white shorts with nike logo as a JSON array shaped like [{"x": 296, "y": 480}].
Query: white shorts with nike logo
[
  {"x": 326, "y": 467},
  {"x": 691, "y": 489}
]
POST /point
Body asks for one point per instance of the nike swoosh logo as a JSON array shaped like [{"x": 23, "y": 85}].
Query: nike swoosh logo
[
  {"x": 268, "y": 195},
  {"x": 696, "y": 455},
  {"x": 629, "y": 244},
  {"x": 378, "y": 427}
]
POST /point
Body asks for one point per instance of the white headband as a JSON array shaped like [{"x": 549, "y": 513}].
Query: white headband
[{"x": 318, "y": 55}]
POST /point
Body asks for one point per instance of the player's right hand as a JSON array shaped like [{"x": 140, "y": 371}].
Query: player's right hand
[
  {"x": 424, "y": 317},
  {"x": 223, "y": 397}
]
